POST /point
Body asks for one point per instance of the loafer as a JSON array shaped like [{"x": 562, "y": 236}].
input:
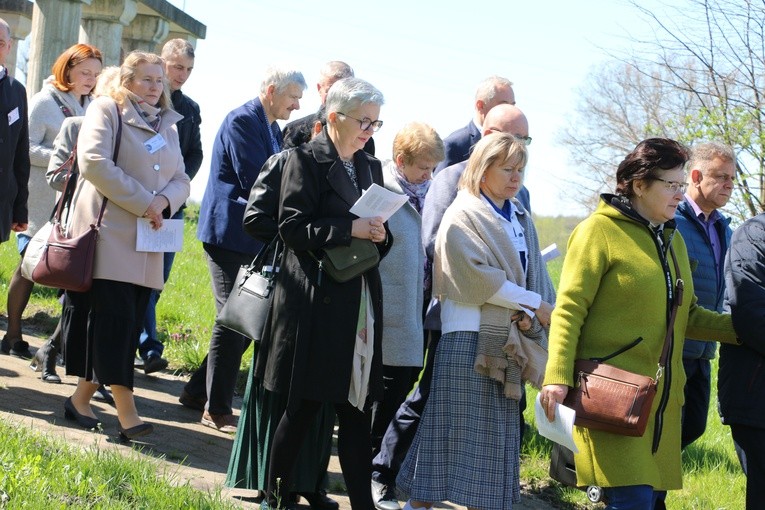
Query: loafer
[
  {"x": 154, "y": 364},
  {"x": 384, "y": 496},
  {"x": 70, "y": 413},
  {"x": 319, "y": 500},
  {"x": 144, "y": 429},
  {"x": 104, "y": 395},
  {"x": 221, "y": 422},
  {"x": 192, "y": 402}
]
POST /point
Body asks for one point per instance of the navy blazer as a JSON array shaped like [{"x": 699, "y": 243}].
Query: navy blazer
[
  {"x": 458, "y": 144},
  {"x": 241, "y": 147}
]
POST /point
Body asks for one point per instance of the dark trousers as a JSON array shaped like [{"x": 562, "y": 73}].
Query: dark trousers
[
  {"x": 402, "y": 429},
  {"x": 398, "y": 381},
  {"x": 696, "y": 408},
  {"x": 353, "y": 450},
  {"x": 216, "y": 376},
  {"x": 752, "y": 441}
]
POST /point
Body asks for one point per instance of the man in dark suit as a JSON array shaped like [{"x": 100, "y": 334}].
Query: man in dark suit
[
  {"x": 248, "y": 136},
  {"x": 14, "y": 162},
  {"x": 492, "y": 91},
  {"x": 300, "y": 131}
]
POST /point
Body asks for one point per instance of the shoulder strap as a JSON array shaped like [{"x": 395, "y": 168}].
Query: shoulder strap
[
  {"x": 676, "y": 302},
  {"x": 64, "y": 108}
]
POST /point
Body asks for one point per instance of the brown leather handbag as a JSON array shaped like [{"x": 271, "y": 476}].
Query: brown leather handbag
[{"x": 614, "y": 400}]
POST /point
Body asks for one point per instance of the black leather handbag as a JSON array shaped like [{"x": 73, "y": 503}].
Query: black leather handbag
[{"x": 248, "y": 306}]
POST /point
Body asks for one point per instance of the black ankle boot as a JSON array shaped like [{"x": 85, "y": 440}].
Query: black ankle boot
[{"x": 45, "y": 361}]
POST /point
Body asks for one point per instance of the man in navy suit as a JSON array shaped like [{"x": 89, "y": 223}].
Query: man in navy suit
[
  {"x": 248, "y": 136},
  {"x": 492, "y": 91}
]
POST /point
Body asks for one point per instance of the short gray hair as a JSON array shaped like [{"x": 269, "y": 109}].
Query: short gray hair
[
  {"x": 350, "y": 93},
  {"x": 7, "y": 27},
  {"x": 336, "y": 70},
  {"x": 487, "y": 89},
  {"x": 706, "y": 152},
  {"x": 175, "y": 47},
  {"x": 281, "y": 78}
]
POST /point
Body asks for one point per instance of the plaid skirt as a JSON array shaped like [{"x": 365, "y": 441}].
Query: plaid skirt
[{"x": 466, "y": 449}]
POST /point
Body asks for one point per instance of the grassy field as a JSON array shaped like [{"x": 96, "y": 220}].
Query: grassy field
[{"x": 713, "y": 478}]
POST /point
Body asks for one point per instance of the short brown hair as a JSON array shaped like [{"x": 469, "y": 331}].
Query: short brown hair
[
  {"x": 418, "y": 140},
  {"x": 70, "y": 58},
  {"x": 646, "y": 159}
]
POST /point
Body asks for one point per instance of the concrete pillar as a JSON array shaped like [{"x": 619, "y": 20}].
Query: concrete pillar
[
  {"x": 55, "y": 26},
  {"x": 145, "y": 33},
  {"x": 21, "y": 26},
  {"x": 102, "y": 24}
]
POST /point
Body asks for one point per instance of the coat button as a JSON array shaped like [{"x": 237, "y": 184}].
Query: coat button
[
  {"x": 327, "y": 300},
  {"x": 156, "y": 168}
]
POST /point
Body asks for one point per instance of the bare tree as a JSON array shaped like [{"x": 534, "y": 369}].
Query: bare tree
[{"x": 702, "y": 77}]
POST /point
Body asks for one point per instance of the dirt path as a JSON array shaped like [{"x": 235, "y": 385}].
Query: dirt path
[{"x": 184, "y": 449}]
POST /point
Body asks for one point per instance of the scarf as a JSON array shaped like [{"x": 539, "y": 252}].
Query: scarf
[
  {"x": 415, "y": 192},
  {"x": 149, "y": 113},
  {"x": 474, "y": 258}
]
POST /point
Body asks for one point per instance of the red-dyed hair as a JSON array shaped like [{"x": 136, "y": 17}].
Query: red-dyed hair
[{"x": 67, "y": 60}]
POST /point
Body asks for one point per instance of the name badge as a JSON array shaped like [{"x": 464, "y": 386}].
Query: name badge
[
  {"x": 520, "y": 243},
  {"x": 13, "y": 116},
  {"x": 154, "y": 143}
]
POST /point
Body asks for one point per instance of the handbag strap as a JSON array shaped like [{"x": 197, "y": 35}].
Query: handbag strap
[
  {"x": 257, "y": 262},
  {"x": 64, "y": 108}
]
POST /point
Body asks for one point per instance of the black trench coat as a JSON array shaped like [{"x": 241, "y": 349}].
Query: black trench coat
[{"x": 310, "y": 341}]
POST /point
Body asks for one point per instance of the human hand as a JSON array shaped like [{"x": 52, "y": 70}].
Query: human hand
[
  {"x": 19, "y": 227},
  {"x": 550, "y": 396},
  {"x": 544, "y": 312},
  {"x": 154, "y": 213},
  {"x": 522, "y": 320},
  {"x": 369, "y": 228}
]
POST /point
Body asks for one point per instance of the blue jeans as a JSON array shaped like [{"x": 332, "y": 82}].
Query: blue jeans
[
  {"x": 634, "y": 497},
  {"x": 148, "y": 343}
]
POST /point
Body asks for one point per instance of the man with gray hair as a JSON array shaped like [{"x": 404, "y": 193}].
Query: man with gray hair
[
  {"x": 178, "y": 55},
  {"x": 711, "y": 172},
  {"x": 300, "y": 131},
  {"x": 491, "y": 91},
  {"x": 248, "y": 136},
  {"x": 14, "y": 158}
]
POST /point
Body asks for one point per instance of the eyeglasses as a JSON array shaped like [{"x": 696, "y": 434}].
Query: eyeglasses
[
  {"x": 525, "y": 139},
  {"x": 365, "y": 123},
  {"x": 673, "y": 186}
]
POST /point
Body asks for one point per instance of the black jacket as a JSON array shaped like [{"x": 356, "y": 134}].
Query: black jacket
[
  {"x": 14, "y": 154},
  {"x": 188, "y": 131},
  {"x": 741, "y": 378},
  {"x": 310, "y": 342}
]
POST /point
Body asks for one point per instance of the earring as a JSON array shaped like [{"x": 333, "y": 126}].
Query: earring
[{"x": 483, "y": 179}]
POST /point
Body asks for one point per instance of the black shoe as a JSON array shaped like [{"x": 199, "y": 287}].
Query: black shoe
[
  {"x": 15, "y": 347},
  {"x": 70, "y": 413},
  {"x": 104, "y": 395},
  {"x": 192, "y": 402},
  {"x": 45, "y": 361},
  {"x": 154, "y": 364},
  {"x": 319, "y": 500},
  {"x": 144, "y": 429},
  {"x": 384, "y": 496}
]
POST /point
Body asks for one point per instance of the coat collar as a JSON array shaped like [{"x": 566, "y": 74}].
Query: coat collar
[
  {"x": 131, "y": 117},
  {"x": 324, "y": 153}
]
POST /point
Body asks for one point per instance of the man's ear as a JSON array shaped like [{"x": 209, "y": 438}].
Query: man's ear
[
  {"x": 696, "y": 176},
  {"x": 479, "y": 105},
  {"x": 331, "y": 117},
  {"x": 271, "y": 90}
]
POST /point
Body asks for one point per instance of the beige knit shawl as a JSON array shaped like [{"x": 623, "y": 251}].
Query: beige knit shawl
[{"x": 473, "y": 258}]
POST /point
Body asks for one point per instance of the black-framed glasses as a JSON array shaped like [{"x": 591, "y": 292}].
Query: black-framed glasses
[
  {"x": 365, "y": 123},
  {"x": 674, "y": 186}
]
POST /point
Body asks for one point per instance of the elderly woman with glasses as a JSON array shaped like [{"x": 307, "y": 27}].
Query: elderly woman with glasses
[
  {"x": 324, "y": 343},
  {"x": 617, "y": 289}
]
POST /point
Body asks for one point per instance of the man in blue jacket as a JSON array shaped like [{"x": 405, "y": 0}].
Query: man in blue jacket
[
  {"x": 711, "y": 170},
  {"x": 248, "y": 136}
]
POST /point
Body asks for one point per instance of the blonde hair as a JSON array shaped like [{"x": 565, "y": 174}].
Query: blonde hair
[
  {"x": 107, "y": 81},
  {"x": 128, "y": 70},
  {"x": 417, "y": 139},
  {"x": 493, "y": 148}
]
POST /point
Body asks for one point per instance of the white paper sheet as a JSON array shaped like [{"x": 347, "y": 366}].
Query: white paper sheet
[
  {"x": 168, "y": 238},
  {"x": 561, "y": 430},
  {"x": 378, "y": 201}
]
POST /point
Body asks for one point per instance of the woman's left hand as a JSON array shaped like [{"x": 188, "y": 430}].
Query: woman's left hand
[
  {"x": 522, "y": 320},
  {"x": 550, "y": 396},
  {"x": 154, "y": 213},
  {"x": 369, "y": 228}
]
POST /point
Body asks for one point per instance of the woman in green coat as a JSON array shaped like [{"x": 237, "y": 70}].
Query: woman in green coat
[{"x": 616, "y": 287}]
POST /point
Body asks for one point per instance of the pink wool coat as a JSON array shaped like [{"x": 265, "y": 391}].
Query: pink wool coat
[{"x": 130, "y": 186}]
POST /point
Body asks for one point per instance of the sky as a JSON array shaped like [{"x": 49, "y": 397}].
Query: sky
[{"x": 427, "y": 59}]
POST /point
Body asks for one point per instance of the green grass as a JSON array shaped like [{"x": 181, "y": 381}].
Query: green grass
[
  {"x": 186, "y": 312},
  {"x": 41, "y": 472}
]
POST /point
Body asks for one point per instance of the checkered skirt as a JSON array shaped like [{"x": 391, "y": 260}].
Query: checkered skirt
[{"x": 466, "y": 449}]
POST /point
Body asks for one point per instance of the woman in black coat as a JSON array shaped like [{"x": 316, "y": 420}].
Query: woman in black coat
[{"x": 319, "y": 344}]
